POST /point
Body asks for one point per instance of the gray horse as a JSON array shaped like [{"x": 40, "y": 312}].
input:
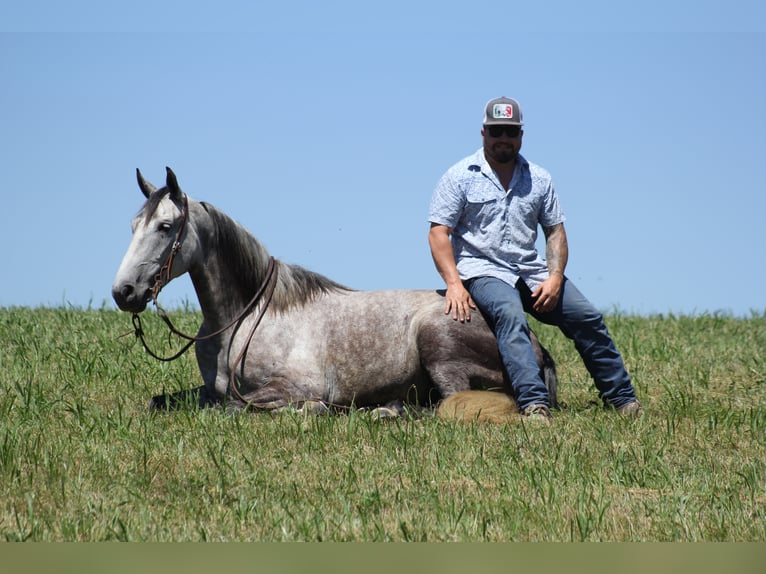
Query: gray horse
[{"x": 277, "y": 335}]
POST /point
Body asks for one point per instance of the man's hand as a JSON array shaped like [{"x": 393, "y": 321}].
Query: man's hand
[
  {"x": 458, "y": 301},
  {"x": 547, "y": 294}
]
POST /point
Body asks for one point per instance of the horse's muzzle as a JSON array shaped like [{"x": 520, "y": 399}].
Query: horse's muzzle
[{"x": 129, "y": 299}]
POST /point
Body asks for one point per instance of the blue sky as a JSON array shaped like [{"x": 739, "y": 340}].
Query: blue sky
[{"x": 324, "y": 126}]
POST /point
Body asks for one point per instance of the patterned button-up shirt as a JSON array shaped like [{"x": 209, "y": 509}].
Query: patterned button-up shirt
[{"x": 493, "y": 230}]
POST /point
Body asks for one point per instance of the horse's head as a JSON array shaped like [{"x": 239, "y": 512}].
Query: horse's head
[{"x": 158, "y": 251}]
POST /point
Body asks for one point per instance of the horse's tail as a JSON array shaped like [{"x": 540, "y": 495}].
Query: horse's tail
[{"x": 549, "y": 377}]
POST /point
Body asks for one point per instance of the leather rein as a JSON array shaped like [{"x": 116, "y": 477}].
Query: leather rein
[{"x": 265, "y": 291}]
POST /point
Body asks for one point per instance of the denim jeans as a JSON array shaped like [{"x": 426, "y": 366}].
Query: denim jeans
[{"x": 503, "y": 306}]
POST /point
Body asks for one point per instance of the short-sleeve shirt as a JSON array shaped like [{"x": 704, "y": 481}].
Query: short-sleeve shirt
[{"x": 493, "y": 230}]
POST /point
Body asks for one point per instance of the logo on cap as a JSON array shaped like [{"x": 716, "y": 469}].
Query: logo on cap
[{"x": 502, "y": 111}]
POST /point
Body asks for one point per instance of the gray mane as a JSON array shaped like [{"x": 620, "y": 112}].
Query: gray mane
[{"x": 248, "y": 260}]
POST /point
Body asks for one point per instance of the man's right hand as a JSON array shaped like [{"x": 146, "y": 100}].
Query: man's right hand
[{"x": 458, "y": 301}]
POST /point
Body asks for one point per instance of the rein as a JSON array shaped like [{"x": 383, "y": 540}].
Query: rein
[
  {"x": 266, "y": 290},
  {"x": 267, "y": 287}
]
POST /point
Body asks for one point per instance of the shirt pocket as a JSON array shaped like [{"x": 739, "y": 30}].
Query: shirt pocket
[
  {"x": 483, "y": 208},
  {"x": 484, "y": 194}
]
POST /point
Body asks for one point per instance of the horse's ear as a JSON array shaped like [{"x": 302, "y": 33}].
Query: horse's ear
[
  {"x": 146, "y": 187},
  {"x": 172, "y": 183}
]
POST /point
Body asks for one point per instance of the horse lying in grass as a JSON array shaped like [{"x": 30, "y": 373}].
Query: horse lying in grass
[{"x": 276, "y": 335}]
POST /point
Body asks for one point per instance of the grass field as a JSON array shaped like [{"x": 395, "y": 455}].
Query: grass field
[{"x": 81, "y": 459}]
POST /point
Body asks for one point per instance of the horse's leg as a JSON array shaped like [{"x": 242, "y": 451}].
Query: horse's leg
[
  {"x": 461, "y": 356},
  {"x": 204, "y": 396}
]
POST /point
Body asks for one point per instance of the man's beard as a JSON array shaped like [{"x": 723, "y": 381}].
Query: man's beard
[{"x": 505, "y": 154}]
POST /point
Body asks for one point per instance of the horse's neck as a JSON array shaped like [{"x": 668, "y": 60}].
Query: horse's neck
[{"x": 230, "y": 270}]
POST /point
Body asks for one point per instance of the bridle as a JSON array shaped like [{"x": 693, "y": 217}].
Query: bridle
[
  {"x": 163, "y": 277},
  {"x": 266, "y": 290}
]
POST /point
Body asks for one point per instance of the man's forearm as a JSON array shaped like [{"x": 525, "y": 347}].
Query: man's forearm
[
  {"x": 556, "y": 249},
  {"x": 443, "y": 256}
]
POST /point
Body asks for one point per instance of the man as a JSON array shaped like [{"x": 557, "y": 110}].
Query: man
[{"x": 484, "y": 216}]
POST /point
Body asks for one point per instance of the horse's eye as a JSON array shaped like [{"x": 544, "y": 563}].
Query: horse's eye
[{"x": 164, "y": 227}]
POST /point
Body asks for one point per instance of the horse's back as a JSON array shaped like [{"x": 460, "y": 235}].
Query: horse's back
[{"x": 451, "y": 355}]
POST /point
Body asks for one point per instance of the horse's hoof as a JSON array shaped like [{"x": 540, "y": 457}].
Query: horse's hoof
[
  {"x": 384, "y": 413},
  {"x": 314, "y": 408}
]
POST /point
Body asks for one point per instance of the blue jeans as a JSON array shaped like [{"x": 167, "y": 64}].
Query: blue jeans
[{"x": 503, "y": 306}]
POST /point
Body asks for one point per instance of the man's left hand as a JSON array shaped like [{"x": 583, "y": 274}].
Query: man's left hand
[{"x": 547, "y": 294}]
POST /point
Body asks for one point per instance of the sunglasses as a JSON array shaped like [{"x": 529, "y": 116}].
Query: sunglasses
[{"x": 510, "y": 131}]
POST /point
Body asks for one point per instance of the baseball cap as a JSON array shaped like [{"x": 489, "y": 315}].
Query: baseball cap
[{"x": 502, "y": 111}]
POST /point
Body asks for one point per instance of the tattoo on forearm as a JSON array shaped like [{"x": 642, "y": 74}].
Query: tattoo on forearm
[{"x": 556, "y": 249}]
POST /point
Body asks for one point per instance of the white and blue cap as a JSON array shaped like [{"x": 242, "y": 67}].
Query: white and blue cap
[{"x": 503, "y": 111}]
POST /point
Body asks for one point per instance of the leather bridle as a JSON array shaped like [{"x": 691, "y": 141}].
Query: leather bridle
[{"x": 163, "y": 277}]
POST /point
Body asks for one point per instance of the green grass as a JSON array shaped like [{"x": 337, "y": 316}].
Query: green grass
[{"x": 81, "y": 459}]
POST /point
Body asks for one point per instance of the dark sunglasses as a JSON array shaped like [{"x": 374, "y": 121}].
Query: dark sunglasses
[{"x": 510, "y": 131}]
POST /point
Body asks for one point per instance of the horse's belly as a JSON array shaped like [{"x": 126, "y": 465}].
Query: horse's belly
[{"x": 340, "y": 353}]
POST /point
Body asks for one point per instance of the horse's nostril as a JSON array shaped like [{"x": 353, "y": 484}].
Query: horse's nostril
[{"x": 123, "y": 293}]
